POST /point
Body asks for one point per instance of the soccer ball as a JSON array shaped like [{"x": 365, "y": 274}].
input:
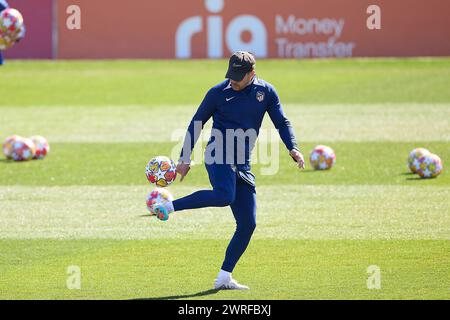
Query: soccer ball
[
  {"x": 11, "y": 27},
  {"x": 8, "y": 145},
  {"x": 23, "y": 149},
  {"x": 42, "y": 147},
  {"x": 161, "y": 171},
  {"x": 414, "y": 156},
  {"x": 5, "y": 41},
  {"x": 158, "y": 195},
  {"x": 430, "y": 166},
  {"x": 322, "y": 158}
]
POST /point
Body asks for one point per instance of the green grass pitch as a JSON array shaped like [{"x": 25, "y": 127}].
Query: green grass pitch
[{"x": 317, "y": 232}]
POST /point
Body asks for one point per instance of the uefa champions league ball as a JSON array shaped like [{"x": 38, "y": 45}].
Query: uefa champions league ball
[
  {"x": 23, "y": 150},
  {"x": 161, "y": 171},
  {"x": 414, "y": 156},
  {"x": 158, "y": 195},
  {"x": 11, "y": 21},
  {"x": 322, "y": 158},
  {"x": 5, "y": 41},
  {"x": 42, "y": 147},
  {"x": 430, "y": 166},
  {"x": 11, "y": 27},
  {"x": 8, "y": 146}
]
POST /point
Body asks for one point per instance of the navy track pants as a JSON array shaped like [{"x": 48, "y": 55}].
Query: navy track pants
[{"x": 229, "y": 189}]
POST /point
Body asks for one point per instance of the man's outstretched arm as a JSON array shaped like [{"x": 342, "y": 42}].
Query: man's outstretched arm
[
  {"x": 284, "y": 127},
  {"x": 204, "y": 112}
]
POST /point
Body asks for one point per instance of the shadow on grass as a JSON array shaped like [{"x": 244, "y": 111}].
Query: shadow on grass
[
  {"x": 412, "y": 176},
  {"x": 184, "y": 296},
  {"x": 418, "y": 179},
  {"x": 313, "y": 171},
  {"x": 11, "y": 161}
]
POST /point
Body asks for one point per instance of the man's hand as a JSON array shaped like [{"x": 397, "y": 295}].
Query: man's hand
[
  {"x": 183, "y": 169},
  {"x": 298, "y": 157}
]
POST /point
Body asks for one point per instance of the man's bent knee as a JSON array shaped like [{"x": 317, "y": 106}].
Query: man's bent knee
[
  {"x": 247, "y": 227},
  {"x": 224, "y": 198}
]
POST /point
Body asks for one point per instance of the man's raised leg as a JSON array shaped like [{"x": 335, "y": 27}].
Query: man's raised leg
[{"x": 223, "y": 180}]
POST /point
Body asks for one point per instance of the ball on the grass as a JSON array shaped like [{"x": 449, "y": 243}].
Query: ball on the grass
[
  {"x": 430, "y": 166},
  {"x": 23, "y": 150},
  {"x": 161, "y": 171},
  {"x": 42, "y": 147},
  {"x": 8, "y": 145},
  {"x": 158, "y": 195},
  {"x": 414, "y": 156},
  {"x": 322, "y": 158}
]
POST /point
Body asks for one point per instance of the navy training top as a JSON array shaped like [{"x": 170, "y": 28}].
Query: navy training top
[{"x": 234, "y": 110}]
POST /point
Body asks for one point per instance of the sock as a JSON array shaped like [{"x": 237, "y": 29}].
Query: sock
[{"x": 224, "y": 274}]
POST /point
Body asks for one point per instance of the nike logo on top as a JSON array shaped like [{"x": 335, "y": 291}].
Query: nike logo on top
[
  {"x": 228, "y": 99},
  {"x": 237, "y": 65}
]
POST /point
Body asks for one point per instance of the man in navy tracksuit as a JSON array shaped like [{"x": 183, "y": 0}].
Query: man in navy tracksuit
[
  {"x": 3, "y": 6},
  {"x": 237, "y": 106}
]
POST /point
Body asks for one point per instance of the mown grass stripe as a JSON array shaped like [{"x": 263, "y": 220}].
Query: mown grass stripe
[
  {"x": 148, "y": 82},
  {"x": 284, "y": 212},
  {"x": 124, "y": 164},
  {"x": 288, "y": 269},
  {"x": 165, "y": 123}
]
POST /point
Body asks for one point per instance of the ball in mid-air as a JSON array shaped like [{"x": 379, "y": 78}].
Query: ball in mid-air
[
  {"x": 430, "y": 166},
  {"x": 322, "y": 158},
  {"x": 158, "y": 195},
  {"x": 23, "y": 150},
  {"x": 414, "y": 156},
  {"x": 161, "y": 171},
  {"x": 11, "y": 27},
  {"x": 5, "y": 41},
  {"x": 42, "y": 147},
  {"x": 8, "y": 145}
]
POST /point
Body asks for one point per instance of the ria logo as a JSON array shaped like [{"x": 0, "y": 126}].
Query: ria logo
[{"x": 214, "y": 29}]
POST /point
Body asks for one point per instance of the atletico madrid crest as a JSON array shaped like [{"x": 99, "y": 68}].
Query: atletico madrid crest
[{"x": 260, "y": 96}]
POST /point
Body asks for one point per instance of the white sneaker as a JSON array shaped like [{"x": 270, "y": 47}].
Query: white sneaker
[{"x": 228, "y": 284}]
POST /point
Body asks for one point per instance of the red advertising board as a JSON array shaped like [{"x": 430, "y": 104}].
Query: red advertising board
[
  {"x": 272, "y": 29},
  {"x": 215, "y": 28}
]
